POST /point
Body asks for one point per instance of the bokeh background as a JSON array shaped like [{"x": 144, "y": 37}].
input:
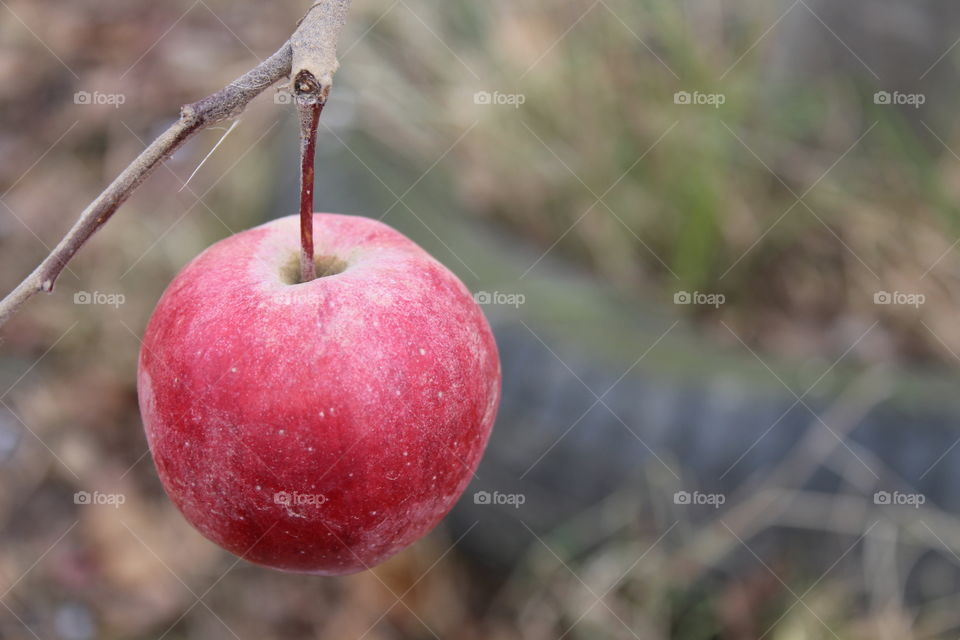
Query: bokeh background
[{"x": 717, "y": 243}]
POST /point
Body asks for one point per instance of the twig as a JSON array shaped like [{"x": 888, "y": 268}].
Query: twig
[{"x": 312, "y": 48}]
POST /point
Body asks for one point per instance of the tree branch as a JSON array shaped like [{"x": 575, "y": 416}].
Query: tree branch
[{"x": 310, "y": 50}]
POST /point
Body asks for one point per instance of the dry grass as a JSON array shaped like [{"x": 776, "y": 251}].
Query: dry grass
[{"x": 693, "y": 198}]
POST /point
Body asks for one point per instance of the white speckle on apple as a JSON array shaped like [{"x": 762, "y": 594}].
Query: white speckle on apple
[{"x": 423, "y": 352}]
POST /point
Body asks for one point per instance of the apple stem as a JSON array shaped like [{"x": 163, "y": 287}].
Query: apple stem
[{"x": 309, "y": 105}]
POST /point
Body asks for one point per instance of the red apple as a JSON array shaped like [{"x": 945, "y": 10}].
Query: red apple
[{"x": 322, "y": 426}]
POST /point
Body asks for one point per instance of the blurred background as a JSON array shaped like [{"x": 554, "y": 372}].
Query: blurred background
[{"x": 718, "y": 246}]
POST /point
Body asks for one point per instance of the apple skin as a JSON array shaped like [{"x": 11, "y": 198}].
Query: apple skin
[{"x": 317, "y": 427}]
